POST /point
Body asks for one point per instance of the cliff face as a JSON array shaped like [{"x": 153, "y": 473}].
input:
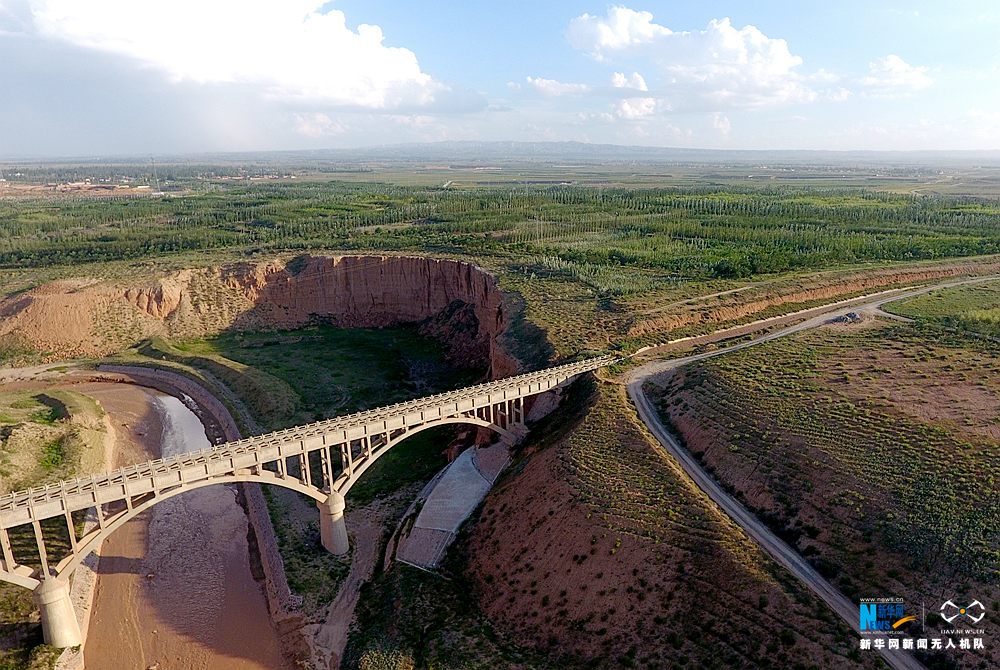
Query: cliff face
[
  {"x": 456, "y": 302},
  {"x": 161, "y": 298},
  {"x": 462, "y": 302}
]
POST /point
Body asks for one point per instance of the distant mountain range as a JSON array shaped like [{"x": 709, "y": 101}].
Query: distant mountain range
[
  {"x": 613, "y": 152},
  {"x": 470, "y": 152}
]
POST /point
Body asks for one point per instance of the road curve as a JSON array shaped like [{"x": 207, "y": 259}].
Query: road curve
[{"x": 754, "y": 527}]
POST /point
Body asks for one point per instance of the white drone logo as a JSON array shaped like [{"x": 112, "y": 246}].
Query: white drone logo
[{"x": 963, "y": 611}]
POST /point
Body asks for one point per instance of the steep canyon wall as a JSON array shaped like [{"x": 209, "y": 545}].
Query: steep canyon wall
[{"x": 456, "y": 302}]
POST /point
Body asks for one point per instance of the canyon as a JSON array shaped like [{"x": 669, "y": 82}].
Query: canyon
[
  {"x": 456, "y": 303},
  {"x": 86, "y": 317}
]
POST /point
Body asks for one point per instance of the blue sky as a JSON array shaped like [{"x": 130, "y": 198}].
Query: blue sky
[{"x": 133, "y": 76}]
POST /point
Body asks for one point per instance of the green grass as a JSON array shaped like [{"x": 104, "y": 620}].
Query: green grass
[
  {"x": 60, "y": 446},
  {"x": 410, "y": 618},
  {"x": 322, "y": 371},
  {"x": 53, "y": 454},
  {"x": 17, "y": 631},
  {"x": 21, "y": 645},
  {"x": 27, "y": 406},
  {"x": 972, "y": 308},
  {"x": 288, "y": 378},
  {"x": 271, "y": 400},
  {"x": 415, "y": 459},
  {"x": 312, "y": 572}
]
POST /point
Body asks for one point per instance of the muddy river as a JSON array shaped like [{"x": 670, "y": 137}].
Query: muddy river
[{"x": 174, "y": 588}]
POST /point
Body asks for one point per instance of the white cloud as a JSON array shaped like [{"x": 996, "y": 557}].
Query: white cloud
[
  {"x": 14, "y": 20},
  {"x": 892, "y": 74},
  {"x": 837, "y": 94},
  {"x": 636, "y": 81},
  {"x": 620, "y": 29},
  {"x": 317, "y": 124},
  {"x": 824, "y": 76},
  {"x": 553, "y": 87},
  {"x": 293, "y": 50},
  {"x": 992, "y": 117},
  {"x": 595, "y": 116},
  {"x": 721, "y": 123},
  {"x": 719, "y": 67},
  {"x": 635, "y": 108}
]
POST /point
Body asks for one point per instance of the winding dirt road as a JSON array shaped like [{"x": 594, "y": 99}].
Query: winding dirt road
[{"x": 754, "y": 527}]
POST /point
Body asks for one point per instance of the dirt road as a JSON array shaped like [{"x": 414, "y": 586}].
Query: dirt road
[{"x": 771, "y": 543}]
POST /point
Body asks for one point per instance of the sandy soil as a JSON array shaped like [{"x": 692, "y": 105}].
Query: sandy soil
[
  {"x": 148, "y": 611},
  {"x": 553, "y": 576}
]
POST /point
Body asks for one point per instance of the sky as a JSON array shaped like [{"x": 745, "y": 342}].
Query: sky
[{"x": 131, "y": 77}]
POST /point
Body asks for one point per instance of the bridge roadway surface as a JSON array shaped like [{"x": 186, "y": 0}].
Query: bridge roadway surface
[
  {"x": 464, "y": 405},
  {"x": 754, "y": 527}
]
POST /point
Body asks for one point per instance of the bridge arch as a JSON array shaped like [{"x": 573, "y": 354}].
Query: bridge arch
[
  {"x": 285, "y": 458},
  {"x": 506, "y": 435},
  {"x": 92, "y": 540}
]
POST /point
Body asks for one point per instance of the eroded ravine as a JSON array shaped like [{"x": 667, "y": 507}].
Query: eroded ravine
[{"x": 171, "y": 576}]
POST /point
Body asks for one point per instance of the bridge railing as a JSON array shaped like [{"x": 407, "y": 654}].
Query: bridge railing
[{"x": 150, "y": 470}]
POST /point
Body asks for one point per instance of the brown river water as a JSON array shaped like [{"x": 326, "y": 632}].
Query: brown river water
[{"x": 174, "y": 587}]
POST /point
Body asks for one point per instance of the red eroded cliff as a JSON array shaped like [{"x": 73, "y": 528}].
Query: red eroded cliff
[
  {"x": 457, "y": 302},
  {"x": 160, "y": 298},
  {"x": 379, "y": 291}
]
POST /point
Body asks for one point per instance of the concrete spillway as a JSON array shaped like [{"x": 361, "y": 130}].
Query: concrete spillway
[{"x": 448, "y": 501}]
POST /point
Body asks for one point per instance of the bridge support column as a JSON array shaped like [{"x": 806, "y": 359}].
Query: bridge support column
[
  {"x": 59, "y": 625},
  {"x": 332, "y": 528}
]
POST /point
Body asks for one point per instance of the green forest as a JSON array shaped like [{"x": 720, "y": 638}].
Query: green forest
[{"x": 731, "y": 232}]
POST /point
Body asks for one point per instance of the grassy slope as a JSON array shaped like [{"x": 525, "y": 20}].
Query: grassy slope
[
  {"x": 585, "y": 555},
  {"x": 44, "y": 437},
  {"x": 974, "y": 308}
]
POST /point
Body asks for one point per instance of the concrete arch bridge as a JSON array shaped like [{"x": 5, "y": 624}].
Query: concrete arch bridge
[{"x": 321, "y": 460}]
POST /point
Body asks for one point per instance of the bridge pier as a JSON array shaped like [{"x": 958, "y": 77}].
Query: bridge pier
[
  {"x": 59, "y": 625},
  {"x": 332, "y": 527}
]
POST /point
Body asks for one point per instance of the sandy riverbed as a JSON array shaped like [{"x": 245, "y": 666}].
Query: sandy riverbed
[{"x": 174, "y": 587}]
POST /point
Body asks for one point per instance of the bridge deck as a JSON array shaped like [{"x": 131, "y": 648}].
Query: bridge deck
[{"x": 157, "y": 475}]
